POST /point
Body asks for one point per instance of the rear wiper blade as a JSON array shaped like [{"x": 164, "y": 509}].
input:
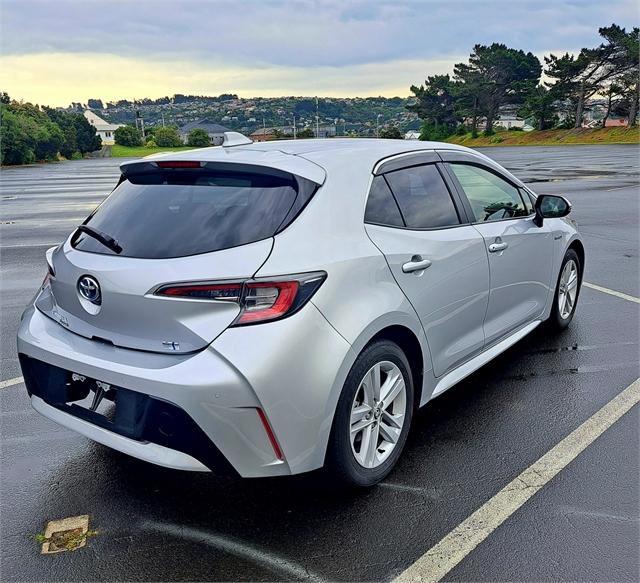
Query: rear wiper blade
[{"x": 106, "y": 240}]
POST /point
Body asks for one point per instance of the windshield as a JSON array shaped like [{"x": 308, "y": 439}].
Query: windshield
[{"x": 179, "y": 213}]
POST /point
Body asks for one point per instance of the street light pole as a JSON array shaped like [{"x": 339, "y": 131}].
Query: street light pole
[{"x": 378, "y": 125}]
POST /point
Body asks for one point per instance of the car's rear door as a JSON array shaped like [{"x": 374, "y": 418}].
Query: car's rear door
[
  {"x": 436, "y": 256},
  {"x": 520, "y": 253}
]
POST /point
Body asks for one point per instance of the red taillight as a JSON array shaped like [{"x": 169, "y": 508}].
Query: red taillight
[
  {"x": 179, "y": 164},
  {"x": 270, "y": 434},
  {"x": 267, "y": 301},
  {"x": 230, "y": 291},
  {"x": 259, "y": 301}
]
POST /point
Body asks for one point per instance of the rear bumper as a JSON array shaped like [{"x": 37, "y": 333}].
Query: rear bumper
[
  {"x": 291, "y": 369},
  {"x": 149, "y": 452}
]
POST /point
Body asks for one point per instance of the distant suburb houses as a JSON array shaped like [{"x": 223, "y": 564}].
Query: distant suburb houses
[
  {"x": 214, "y": 130},
  {"x": 103, "y": 128}
]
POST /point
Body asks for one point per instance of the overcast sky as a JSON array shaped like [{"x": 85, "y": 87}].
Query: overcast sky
[{"x": 55, "y": 52}]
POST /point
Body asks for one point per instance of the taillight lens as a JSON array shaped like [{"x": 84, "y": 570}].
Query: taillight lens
[
  {"x": 50, "y": 271},
  {"x": 228, "y": 292},
  {"x": 259, "y": 300}
]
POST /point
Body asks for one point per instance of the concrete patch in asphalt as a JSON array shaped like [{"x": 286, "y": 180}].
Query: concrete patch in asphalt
[{"x": 65, "y": 534}]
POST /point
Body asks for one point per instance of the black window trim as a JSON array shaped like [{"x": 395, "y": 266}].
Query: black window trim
[
  {"x": 472, "y": 161},
  {"x": 458, "y": 204}
]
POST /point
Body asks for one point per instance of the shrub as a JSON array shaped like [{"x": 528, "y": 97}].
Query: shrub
[
  {"x": 391, "y": 133},
  {"x": 128, "y": 136},
  {"x": 198, "y": 138},
  {"x": 431, "y": 132},
  {"x": 168, "y": 137},
  {"x": 151, "y": 144}
]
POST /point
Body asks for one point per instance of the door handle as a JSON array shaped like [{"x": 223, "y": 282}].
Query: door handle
[
  {"x": 496, "y": 247},
  {"x": 416, "y": 264}
]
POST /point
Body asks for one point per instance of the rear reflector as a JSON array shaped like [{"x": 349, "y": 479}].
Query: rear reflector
[
  {"x": 180, "y": 164},
  {"x": 258, "y": 300},
  {"x": 272, "y": 438}
]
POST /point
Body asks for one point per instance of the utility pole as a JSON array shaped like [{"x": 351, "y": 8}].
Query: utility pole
[
  {"x": 378, "y": 125},
  {"x": 317, "y": 120},
  {"x": 295, "y": 133}
]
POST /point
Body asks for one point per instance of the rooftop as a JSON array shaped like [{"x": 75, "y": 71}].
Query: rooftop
[{"x": 207, "y": 125}]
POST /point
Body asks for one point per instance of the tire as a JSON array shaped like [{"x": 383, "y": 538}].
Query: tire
[
  {"x": 559, "y": 319},
  {"x": 356, "y": 462}
]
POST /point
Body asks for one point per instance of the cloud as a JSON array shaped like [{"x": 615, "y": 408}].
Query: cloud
[
  {"x": 73, "y": 48},
  {"x": 300, "y": 33}
]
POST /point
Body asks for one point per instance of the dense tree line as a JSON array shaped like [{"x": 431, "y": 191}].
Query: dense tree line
[
  {"x": 496, "y": 75},
  {"x": 29, "y": 133}
]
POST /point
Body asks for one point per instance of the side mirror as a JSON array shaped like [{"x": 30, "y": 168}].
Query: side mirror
[{"x": 550, "y": 206}]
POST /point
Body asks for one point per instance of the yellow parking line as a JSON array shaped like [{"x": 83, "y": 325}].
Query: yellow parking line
[
  {"x": 611, "y": 292},
  {"x": 455, "y": 546},
  {"x": 11, "y": 382}
]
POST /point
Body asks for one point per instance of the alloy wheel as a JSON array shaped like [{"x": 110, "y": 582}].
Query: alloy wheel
[
  {"x": 378, "y": 414},
  {"x": 568, "y": 289}
]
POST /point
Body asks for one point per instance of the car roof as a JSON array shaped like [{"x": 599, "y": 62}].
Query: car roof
[{"x": 305, "y": 157}]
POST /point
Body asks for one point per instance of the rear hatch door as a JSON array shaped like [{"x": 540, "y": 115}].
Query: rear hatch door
[{"x": 172, "y": 225}]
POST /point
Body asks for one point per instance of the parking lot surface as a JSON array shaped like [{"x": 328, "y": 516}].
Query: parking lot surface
[{"x": 156, "y": 524}]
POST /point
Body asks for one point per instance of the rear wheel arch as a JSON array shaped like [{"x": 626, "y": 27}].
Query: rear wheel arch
[{"x": 410, "y": 345}]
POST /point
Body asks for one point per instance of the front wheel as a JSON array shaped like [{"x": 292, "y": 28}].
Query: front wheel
[
  {"x": 567, "y": 291},
  {"x": 373, "y": 416}
]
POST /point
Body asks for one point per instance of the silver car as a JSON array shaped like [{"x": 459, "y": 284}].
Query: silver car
[{"x": 269, "y": 309}]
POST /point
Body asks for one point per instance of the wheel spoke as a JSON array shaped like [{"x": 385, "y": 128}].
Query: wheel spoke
[
  {"x": 563, "y": 303},
  {"x": 393, "y": 420},
  {"x": 371, "y": 384},
  {"x": 388, "y": 433},
  {"x": 371, "y": 447},
  {"x": 391, "y": 388},
  {"x": 358, "y": 412},
  {"x": 569, "y": 303}
]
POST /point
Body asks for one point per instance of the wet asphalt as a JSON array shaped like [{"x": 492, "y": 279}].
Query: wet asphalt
[{"x": 155, "y": 524}]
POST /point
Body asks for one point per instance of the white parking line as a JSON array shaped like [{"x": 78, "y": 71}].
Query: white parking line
[
  {"x": 611, "y": 292},
  {"x": 455, "y": 546},
  {"x": 11, "y": 382}
]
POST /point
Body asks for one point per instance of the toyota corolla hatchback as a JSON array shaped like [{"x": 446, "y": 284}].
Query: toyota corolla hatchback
[{"x": 269, "y": 309}]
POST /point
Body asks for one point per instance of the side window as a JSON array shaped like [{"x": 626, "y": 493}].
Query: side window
[
  {"x": 381, "y": 206},
  {"x": 492, "y": 198},
  {"x": 423, "y": 197}
]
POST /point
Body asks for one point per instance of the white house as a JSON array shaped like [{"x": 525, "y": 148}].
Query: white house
[{"x": 103, "y": 128}]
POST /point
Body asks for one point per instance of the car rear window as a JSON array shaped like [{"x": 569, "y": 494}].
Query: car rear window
[{"x": 180, "y": 213}]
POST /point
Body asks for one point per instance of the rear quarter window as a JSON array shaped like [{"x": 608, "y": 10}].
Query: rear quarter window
[{"x": 179, "y": 213}]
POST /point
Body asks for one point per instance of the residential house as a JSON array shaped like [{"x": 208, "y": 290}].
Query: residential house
[
  {"x": 215, "y": 131},
  {"x": 104, "y": 129}
]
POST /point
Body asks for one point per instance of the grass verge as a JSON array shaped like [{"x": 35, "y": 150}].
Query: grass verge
[
  {"x": 552, "y": 137},
  {"x": 118, "y": 151}
]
